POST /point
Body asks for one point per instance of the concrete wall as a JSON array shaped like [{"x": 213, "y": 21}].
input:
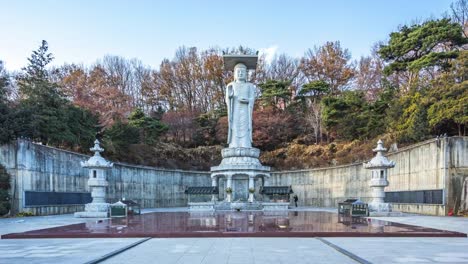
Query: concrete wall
[
  {"x": 429, "y": 165},
  {"x": 35, "y": 167}
]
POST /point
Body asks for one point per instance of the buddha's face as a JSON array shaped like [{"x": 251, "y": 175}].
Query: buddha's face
[{"x": 240, "y": 72}]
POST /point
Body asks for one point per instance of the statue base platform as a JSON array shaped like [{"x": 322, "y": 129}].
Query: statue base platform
[
  {"x": 240, "y": 161},
  {"x": 94, "y": 210},
  {"x": 238, "y": 206},
  {"x": 240, "y": 169},
  {"x": 280, "y": 206},
  {"x": 201, "y": 206}
]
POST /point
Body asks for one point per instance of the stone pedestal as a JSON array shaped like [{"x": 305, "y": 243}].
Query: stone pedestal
[
  {"x": 202, "y": 206},
  {"x": 380, "y": 207},
  {"x": 240, "y": 167},
  {"x": 98, "y": 210},
  {"x": 98, "y": 207},
  {"x": 276, "y": 206}
]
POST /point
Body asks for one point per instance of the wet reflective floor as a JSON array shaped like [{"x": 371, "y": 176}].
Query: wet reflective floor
[{"x": 236, "y": 224}]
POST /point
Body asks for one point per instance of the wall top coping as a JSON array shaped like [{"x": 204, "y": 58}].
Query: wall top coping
[
  {"x": 115, "y": 163},
  {"x": 387, "y": 154},
  {"x": 356, "y": 164}
]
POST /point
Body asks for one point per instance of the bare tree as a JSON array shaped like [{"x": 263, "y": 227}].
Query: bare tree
[
  {"x": 369, "y": 74},
  {"x": 460, "y": 14},
  {"x": 192, "y": 81},
  {"x": 330, "y": 63}
]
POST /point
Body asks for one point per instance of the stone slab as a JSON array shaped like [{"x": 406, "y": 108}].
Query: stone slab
[
  {"x": 275, "y": 206},
  {"x": 79, "y": 250},
  {"x": 91, "y": 214},
  {"x": 231, "y": 250},
  {"x": 406, "y": 250}
]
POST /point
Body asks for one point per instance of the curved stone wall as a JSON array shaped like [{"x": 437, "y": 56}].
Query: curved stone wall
[
  {"x": 440, "y": 164},
  {"x": 36, "y": 167}
]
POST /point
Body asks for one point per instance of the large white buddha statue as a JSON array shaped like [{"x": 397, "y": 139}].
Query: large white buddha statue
[{"x": 240, "y": 99}]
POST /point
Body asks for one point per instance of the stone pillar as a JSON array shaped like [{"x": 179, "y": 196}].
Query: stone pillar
[
  {"x": 229, "y": 186},
  {"x": 266, "y": 181},
  {"x": 213, "y": 184},
  {"x": 97, "y": 183},
  {"x": 378, "y": 194},
  {"x": 251, "y": 186}
]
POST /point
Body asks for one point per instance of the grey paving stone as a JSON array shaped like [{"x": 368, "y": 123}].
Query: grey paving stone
[
  {"x": 406, "y": 250},
  {"x": 236, "y": 250},
  {"x": 58, "y": 250}
]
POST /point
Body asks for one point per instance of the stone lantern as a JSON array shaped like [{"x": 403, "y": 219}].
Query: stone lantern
[
  {"x": 97, "y": 182},
  {"x": 378, "y": 166}
]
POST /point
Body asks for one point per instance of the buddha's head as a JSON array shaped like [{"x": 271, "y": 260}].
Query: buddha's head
[{"x": 240, "y": 72}]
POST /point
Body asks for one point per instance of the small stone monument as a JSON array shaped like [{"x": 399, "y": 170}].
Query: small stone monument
[
  {"x": 378, "y": 166},
  {"x": 97, "y": 182},
  {"x": 240, "y": 167}
]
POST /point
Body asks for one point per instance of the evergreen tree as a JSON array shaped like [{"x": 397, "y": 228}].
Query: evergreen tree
[
  {"x": 41, "y": 102},
  {"x": 44, "y": 113},
  {"x": 274, "y": 92},
  {"x": 449, "y": 99},
  {"x": 345, "y": 115},
  {"x": 119, "y": 137},
  {"x": 150, "y": 128},
  {"x": 412, "y": 125},
  {"x": 377, "y": 112},
  {"x": 6, "y": 113},
  {"x": 205, "y": 134},
  {"x": 5, "y": 201},
  {"x": 432, "y": 43}
]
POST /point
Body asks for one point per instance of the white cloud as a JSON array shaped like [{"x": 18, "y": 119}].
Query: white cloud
[{"x": 269, "y": 53}]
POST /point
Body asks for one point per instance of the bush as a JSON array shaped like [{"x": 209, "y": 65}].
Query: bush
[
  {"x": 5, "y": 203},
  {"x": 24, "y": 214}
]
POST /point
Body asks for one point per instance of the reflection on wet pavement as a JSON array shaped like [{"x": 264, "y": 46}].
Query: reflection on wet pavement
[{"x": 234, "y": 224}]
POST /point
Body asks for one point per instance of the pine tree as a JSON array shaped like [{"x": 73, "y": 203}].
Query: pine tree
[
  {"x": 5, "y": 201},
  {"x": 41, "y": 102},
  {"x": 6, "y": 122},
  {"x": 45, "y": 114}
]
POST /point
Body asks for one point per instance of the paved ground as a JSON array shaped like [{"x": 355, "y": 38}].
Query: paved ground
[
  {"x": 457, "y": 224},
  {"x": 235, "y": 250},
  {"x": 406, "y": 250},
  {"x": 231, "y": 250},
  {"x": 77, "y": 250},
  {"x": 23, "y": 224}
]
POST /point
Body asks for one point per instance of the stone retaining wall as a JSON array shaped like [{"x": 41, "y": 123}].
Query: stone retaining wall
[
  {"x": 430, "y": 165},
  {"x": 35, "y": 167}
]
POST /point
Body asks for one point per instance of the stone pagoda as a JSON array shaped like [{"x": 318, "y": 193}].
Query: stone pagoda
[
  {"x": 97, "y": 183},
  {"x": 240, "y": 168},
  {"x": 378, "y": 166}
]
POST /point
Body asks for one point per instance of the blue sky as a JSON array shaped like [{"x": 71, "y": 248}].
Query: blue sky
[{"x": 84, "y": 31}]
